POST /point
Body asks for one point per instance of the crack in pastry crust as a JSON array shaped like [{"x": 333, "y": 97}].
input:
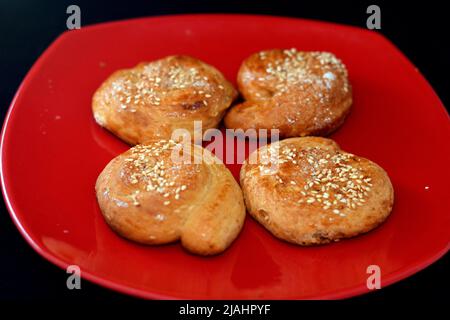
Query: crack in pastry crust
[
  {"x": 318, "y": 194},
  {"x": 152, "y": 99},
  {"x": 147, "y": 197},
  {"x": 298, "y": 93}
]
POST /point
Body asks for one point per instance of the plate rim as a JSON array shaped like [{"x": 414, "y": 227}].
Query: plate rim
[{"x": 14, "y": 213}]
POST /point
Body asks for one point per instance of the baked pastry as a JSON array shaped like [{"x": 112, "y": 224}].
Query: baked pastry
[
  {"x": 151, "y": 100},
  {"x": 162, "y": 192},
  {"x": 298, "y": 93},
  {"x": 308, "y": 191}
]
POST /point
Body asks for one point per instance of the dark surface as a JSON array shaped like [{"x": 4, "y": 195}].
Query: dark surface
[{"x": 420, "y": 30}]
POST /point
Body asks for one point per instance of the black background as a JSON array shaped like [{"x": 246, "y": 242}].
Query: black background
[{"x": 419, "y": 29}]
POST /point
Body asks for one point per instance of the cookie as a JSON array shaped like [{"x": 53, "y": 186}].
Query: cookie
[
  {"x": 308, "y": 191},
  {"x": 298, "y": 93},
  {"x": 156, "y": 194},
  {"x": 151, "y": 100}
]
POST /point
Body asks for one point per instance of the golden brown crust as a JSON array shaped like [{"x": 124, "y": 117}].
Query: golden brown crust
[
  {"x": 314, "y": 192},
  {"x": 149, "y": 198},
  {"x": 299, "y": 93},
  {"x": 152, "y": 99}
]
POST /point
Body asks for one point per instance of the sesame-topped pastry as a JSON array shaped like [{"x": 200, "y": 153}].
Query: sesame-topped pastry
[
  {"x": 153, "y": 99},
  {"x": 164, "y": 191},
  {"x": 298, "y": 93},
  {"x": 308, "y": 191}
]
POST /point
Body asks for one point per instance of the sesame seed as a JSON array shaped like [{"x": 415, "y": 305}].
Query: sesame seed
[
  {"x": 147, "y": 86},
  {"x": 300, "y": 68},
  {"x": 148, "y": 168},
  {"x": 330, "y": 178}
]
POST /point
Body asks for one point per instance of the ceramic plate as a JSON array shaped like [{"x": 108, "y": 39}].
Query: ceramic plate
[{"x": 52, "y": 152}]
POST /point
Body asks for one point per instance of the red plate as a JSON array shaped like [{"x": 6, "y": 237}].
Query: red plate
[{"x": 52, "y": 152}]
